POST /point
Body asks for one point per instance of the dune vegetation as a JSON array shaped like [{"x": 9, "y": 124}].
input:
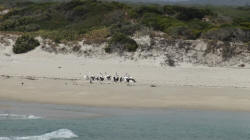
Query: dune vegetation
[
  {"x": 24, "y": 44},
  {"x": 102, "y": 21}
]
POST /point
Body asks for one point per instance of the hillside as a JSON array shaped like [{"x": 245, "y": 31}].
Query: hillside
[
  {"x": 181, "y": 2},
  {"x": 79, "y": 17},
  {"x": 223, "y": 29}
]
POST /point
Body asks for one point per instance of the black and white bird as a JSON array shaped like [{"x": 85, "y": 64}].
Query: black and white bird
[
  {"x": 107, "y": 76},
  {"x": 116, "y": 77},
  {"x": 92, "y": 77},
  {"x": 101, "y": 77}
]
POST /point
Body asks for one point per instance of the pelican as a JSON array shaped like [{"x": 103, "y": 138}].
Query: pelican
[
  {"x": 97, "y": 78},
  {"x": 116, "y": 77},
  {"x": 101, "y": 77},
  {"x": 92, "y": 77},
  {"x": 121, "y": 79},
  {"x": 131, "y": 79},
  {"x": 126, "y": 77},
  {"x": 107, "y": 76}
]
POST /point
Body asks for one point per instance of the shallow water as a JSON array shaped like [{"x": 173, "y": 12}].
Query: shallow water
[{"x": 129, "y": 124}]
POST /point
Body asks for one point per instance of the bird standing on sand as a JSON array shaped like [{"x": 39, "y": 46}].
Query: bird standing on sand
[
  {"x": 107, "y": 76},
  {"x": 116, "y": 77},
  {"x": 92, "y": 77},
  {"x": 121, "y": 79},
  {"x": 101, "y": 77}
]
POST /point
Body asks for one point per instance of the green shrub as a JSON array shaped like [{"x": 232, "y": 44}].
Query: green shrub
[
  {"x": 227, "y": 34},
  {"x": 170, "y": 10},
  {"x": 159, "y": 22},
  {"x": 243, "y": 23},
  {"x": 17, "y": 24},
  {"x": 126, "y": 28},
  {"x": 141, "y": 10},
  {"x": 25, "y": 44},
  {"x": 183, "y": 32},
  {"x": 70, "y": 19},
  {"x": 28, "y": 28},
  {"x": 59, "y": 35},
  {"x": 192, "y": 13},
  {"x": 120, "y": 42},
  {"x": 114, "y": 17},
  {"x": 97, "y": 36}
]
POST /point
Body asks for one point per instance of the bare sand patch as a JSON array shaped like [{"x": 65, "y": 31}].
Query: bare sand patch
[{"x": 120, "y": 95}]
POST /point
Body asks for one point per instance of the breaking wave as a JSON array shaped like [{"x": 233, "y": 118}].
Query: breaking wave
[{"x": 59, "y": 134}]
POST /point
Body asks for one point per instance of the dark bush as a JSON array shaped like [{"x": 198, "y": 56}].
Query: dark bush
[
  {"x": 171, "y": 62},
  {"x": 159, "y": 22},
  {"x": 78, "y": 12},
  {"x": 244, "y": 23},
  {"x": 227, "y": 34},
  {"x": 191, "y": 13},
  {"x": 125, "y": 28},
  {"x": 169, "y": 10},
  {"x": 24, "y": 44},
  {"x": 120, "y": 43},
  {"x": 18, "y": 24},
  {"x": 116, "y": 16},
  {"x": 107, "y": 49},
  {"x": 140, "y": 11},
  {"x": 183, "y": 32},
  {"x": 70, "y": 5},
  {"x": 28, "y": 28},
  {"x": 228, "y": 52}
]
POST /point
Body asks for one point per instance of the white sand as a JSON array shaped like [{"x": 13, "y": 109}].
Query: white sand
[
  {"x": 42, "y": 64},
  {"x": 179, "y": 87},
  {"x": 119, "y": 95}
]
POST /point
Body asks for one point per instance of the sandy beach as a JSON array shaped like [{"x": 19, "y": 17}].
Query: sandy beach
[
  {"x": 119, "y": 95},
  {"x": 58, "y": 79}
]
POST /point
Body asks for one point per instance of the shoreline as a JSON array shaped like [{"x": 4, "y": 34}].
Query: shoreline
[{"x": 51, "y": 111}]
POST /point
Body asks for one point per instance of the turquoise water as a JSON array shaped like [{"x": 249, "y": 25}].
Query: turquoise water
[{"x": 158, "y": 125}]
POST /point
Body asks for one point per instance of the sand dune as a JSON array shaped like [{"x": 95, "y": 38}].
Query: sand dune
[{"x": 43, "y": 64}]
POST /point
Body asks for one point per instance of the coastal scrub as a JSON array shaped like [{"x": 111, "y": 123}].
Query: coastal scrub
[
  {"x": 121, "y": 42},
  {"x": 25, "y": 44}
]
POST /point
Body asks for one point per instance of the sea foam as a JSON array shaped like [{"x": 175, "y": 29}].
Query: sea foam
[
  {"x": 59, "y": 134},
  {"x": 16, "y": 116}
]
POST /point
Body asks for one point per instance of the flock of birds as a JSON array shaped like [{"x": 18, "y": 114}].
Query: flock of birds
[{"x": 107, "y": 77}]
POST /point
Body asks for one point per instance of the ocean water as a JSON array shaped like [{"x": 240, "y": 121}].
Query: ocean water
[{"x": 135, "y": 125}]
